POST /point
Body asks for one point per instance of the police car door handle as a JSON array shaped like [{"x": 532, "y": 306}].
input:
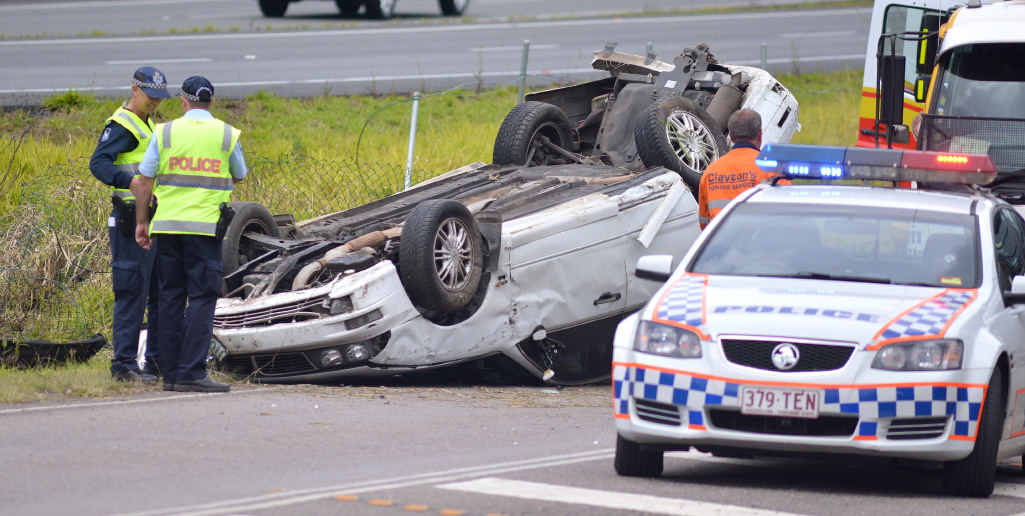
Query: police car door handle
[{"x": 607, "y": 297}]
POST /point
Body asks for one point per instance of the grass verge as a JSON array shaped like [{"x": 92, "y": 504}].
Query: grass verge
[{"x": 306, "y": 157}]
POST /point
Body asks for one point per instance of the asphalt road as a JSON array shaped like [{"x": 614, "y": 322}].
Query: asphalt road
[
  {"x": 427, "y": 54},
  {"x": 385, "y": 451}
]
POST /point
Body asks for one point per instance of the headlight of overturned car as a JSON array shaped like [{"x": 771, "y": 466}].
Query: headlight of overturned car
[
  {"x": 920, "y": 355},
  {"x": 665, "y": 340}
]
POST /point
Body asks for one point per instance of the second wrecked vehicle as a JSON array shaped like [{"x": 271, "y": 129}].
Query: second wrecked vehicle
[{"x": 526, "y": 266}]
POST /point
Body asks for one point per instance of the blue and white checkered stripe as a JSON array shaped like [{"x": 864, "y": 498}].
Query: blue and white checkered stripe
[
  {"x": 684, "y": 303},
  {"x": 931, "y": 318},
  {"x": 870, "y": 403}
]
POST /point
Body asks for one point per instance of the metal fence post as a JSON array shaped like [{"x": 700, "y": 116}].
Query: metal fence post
[
  {"x": 523, "y": 71},
  {"x": 412, "y": 140},
  {"x": 765, "y": 56}
]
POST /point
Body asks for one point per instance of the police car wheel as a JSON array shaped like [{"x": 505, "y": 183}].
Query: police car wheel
[
  {"x": 637, "y": 460},
  {"x": 975, "y": 474},
  {"x": 440, "y": 256},
  {"x": 675, "y": 133},
  {"x": 518, "y": 137},
  {"x": 273, "y": 8},
  {"x": 249, "y": 217},
  {"x": 453, "y": 7}
]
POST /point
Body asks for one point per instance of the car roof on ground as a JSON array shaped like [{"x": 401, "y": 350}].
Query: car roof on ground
[{"x": 878, "y": 197}]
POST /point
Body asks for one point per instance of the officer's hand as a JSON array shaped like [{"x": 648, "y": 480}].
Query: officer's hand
[{"x": 142, "y": 236}]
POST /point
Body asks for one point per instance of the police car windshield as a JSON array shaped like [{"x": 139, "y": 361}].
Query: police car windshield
[{"x": 844, "y": 243}]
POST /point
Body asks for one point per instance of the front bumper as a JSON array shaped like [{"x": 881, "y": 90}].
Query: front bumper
[{"x": 935, "y": 417}]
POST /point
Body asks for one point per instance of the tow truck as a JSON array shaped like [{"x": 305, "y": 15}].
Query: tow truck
[{"x": 956, "y": 71}]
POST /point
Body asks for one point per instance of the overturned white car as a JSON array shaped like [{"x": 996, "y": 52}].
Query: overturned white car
[{"x": 527, "y": 266}]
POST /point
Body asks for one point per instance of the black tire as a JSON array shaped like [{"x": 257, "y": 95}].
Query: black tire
[
  {"x": 637, "y": 460},
  {"x": 520, "y": 129},
  {"x": 375, "y": 9},
  {"x": 453, "y": 7},
  {"x": 975, "y": 474},
  {"x": 273, "y": 8},
  {"x": 348, "y": 8},
  {"x": 435, "y": 278},
  {"x": 249, "y": 217},
  {"x": 676, "y": 134}
]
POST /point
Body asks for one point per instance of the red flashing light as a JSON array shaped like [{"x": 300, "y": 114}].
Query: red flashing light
[{"x": 946, "y": 161}]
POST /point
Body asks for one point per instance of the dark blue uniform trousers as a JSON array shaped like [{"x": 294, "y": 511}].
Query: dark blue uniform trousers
[
  {"x": 191, "y": 276},
  {"x": 135, "y": 286}
]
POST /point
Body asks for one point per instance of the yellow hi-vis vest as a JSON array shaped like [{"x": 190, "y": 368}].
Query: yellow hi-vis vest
[
  {"x": 129, "y": 161},
  {"x": 193, "y": 176}
]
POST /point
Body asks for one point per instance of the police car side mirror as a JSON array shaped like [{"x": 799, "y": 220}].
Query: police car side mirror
[
  {"x": 657, "y": 267},
  {"x": 1016, "y": 296}
]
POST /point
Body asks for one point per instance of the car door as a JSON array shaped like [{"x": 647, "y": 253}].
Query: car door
[{"x": 1009, "y": 324}]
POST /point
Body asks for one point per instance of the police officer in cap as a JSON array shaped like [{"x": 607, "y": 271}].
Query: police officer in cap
[
  {"x": 115, "y": 162},
  {"x": 194, "y": 162}
]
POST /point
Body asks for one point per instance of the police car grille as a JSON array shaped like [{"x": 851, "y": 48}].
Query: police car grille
[
  {"x": 654, "y": 412},
  {"x": 823, "y": 426},
  {"x": 813, "y": 357},
  {"x": 305, "y": 310},
  {"x": 917, "y": 428}
]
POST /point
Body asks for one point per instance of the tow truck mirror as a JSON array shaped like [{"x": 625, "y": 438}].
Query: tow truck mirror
[
  {"x": 927, "y": 45},
  {"x": 921, "y": 87},
  {"x": 657, "y": 267},
  {"x": 1016, "y": 296},
  {"x": 891, "y": 94}
]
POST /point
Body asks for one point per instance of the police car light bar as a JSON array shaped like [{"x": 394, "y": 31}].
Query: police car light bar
[{"x": 828, "y": 163}]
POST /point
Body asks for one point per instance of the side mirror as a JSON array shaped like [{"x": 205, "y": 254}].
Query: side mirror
[
  {"x": 930, "y": 32},
  {"x": 657, "y": 267},
  {"x": 900, "y": 134},
  {"x": 891, "y": 94},
  {"x": 922, "y": 87},
  {"x": 1017, "y": 294}
]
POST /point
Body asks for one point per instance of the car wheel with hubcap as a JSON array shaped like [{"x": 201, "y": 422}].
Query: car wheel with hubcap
[
  {"x": 518, "y": 140},
  {"x": 677, "y": 134},
  {"x": 975, "y": 474},
  {"x": 637, "y": 460},
  {"x": 440, "y": 255}
]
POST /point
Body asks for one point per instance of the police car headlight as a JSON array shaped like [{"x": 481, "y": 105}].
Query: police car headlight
[
  {"x": 921, "y": 355},
  {"x": 662, "y": 339}
]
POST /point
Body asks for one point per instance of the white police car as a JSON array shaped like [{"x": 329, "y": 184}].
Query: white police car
[{"x": 837, "y": 319}]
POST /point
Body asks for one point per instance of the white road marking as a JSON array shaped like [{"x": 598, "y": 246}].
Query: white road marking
[
  {"x": 512, "y": 48},
  {"x": 130, "y": 402},
  {"x": 604, "y": 499},
  {"x": 825, "y": 34},
  {"x": 308, "y": 495},
  {"x": 462, "y": 75},
  {"x": 446, "y": 29},
  {"x": 162, "y": 61}
]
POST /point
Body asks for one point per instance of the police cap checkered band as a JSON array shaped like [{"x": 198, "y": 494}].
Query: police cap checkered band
[
  {"x": 152, "y": 82},
  {"x": 197, "y": 89}
]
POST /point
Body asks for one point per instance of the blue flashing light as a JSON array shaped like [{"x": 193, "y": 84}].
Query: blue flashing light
[
  {"x": 798, "y": 169},
  {"x": 785, "y": 152},
  {"x": 768, "y": 165},
  {"x": 832, "y": 171}
]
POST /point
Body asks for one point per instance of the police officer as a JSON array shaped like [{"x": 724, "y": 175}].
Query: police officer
[
  {"x": 115, "y": 162},
  {"x": 195, "y": 160},
  {"x": 736, "y": 171}
]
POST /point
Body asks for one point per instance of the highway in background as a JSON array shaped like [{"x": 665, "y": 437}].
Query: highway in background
[{"x": 412, "y": 53}]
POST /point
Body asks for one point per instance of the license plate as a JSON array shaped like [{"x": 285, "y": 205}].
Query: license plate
[{"x": 773, "y": 401}]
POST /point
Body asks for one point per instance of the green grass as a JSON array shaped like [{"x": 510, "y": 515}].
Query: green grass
[{"x": 306, "y": 157}]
